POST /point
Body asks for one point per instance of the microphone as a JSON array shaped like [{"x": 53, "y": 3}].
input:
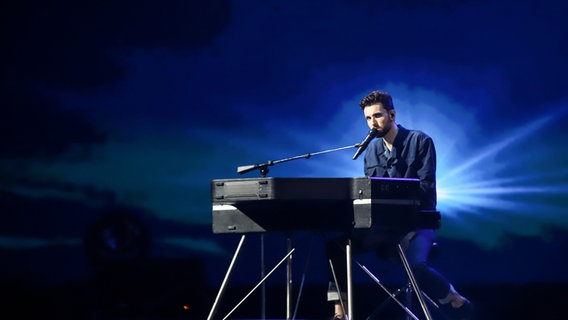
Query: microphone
[{"x": 363, "y": 145}]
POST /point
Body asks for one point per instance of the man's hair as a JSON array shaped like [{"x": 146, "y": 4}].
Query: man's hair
[{"x": 377, "y": 96}]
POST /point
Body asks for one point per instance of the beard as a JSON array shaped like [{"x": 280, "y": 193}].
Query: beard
[{"x": 381, "y": 132}]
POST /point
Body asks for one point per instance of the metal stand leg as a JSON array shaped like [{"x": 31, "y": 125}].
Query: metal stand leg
[
  {"x": 377, "y": 310},
  {"x": 348, "y": 259},
  {"x": 414, "y": 283},
  {"x": 408, "y": 297},
  {"x": 262, "y": 274},
  {"x": 225, "y": 280},
  {"x": 349, "y": 282},
  {"x": 300, "y": 289},
  {"x": 391, "y": 295},
  {"x": 341, "y": 302},
  {"x": 261, "y": 282},
  {"x": 289, "y": 280}
]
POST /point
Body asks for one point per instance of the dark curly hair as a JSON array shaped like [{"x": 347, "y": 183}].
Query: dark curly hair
[{"x": 377, "y": 96}]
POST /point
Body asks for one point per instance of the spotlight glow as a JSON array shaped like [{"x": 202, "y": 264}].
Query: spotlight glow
[
  {"x": 515, "y": 185},
  {"x": 506, "y": 188}
]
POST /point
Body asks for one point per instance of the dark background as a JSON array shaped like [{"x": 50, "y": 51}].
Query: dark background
[{"x": 116, "y": 116}]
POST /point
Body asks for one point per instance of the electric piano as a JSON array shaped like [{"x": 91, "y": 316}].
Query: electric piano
[{"x": 318, "y": 204}]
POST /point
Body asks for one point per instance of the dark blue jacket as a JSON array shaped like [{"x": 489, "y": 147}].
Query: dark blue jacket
[{"x": 413, "y": 156}]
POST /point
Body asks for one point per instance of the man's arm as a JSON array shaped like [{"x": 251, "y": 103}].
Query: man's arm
[{"x": 427, "y": 173}]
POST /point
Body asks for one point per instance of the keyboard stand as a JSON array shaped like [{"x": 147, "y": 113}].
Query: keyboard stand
[
  {"x": 221, "y": 291},
  {"x": 288, "y": 258}
]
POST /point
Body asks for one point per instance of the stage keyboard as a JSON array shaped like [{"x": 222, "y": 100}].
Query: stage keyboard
[{"x": 317, "y": 204}]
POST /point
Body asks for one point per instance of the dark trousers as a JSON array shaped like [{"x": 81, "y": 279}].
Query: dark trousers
[{"x": 416, "y": 245}]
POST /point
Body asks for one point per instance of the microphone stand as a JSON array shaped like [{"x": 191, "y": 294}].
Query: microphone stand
[{"x": 263, "y": 168}]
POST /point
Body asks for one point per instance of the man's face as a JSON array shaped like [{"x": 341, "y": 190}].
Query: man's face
[{"x": 380, "y": 118}]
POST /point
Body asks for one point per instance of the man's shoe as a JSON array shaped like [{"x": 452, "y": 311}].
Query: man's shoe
[{"x": 464, "y": 312}]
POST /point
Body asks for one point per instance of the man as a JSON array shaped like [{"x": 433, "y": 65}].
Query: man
[{"x": 400, "y": 153}]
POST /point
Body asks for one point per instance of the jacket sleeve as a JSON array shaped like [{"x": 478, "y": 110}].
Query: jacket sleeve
[{"x": 427, "y": 173}]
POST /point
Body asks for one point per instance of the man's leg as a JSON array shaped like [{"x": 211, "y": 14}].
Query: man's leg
[{"x": 418, "y": 245}]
